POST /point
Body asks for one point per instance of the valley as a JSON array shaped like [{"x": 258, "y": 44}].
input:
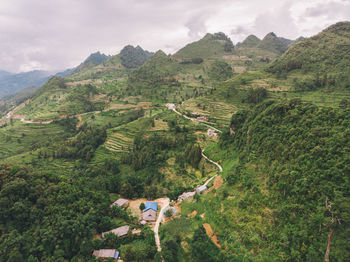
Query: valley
[{"x": 257, "y": 133}]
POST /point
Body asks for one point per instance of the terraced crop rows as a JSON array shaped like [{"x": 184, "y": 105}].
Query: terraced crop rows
[{"x": 117, "y": 142}]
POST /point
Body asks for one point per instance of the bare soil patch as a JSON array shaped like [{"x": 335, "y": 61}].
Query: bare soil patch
[{"x": 213, "y": 236}]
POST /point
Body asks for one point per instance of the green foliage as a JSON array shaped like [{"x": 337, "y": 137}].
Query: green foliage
[
  {"x": 328, "y": 52},
  {"x": 302, "y": 150},
  {"x": 46, "y": 217},
  {"x": 193, "y": 155},
  {"x": 133, "y": 57},
  {"x": 250, "y": 41},
  {"x": 142, "y": 206},
  {"x": 84, "y": 144},
  {"x": 220, "y": 70},
  {"x": 202, "y": 249},
  {"x": 210, "y": 46},
  {"x": 272, "y": 43},
  {"x": 255, "y": 96}
]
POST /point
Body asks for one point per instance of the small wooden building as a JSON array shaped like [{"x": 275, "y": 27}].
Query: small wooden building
[
  {"x": 106, "y": 253},
  {"x": 119, "y": 231},
  {"x": 121, "y": 202}
]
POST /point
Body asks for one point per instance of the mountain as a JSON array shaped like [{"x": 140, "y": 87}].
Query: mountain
[
  {"x": 273, "y": 154},
  {"x": 4, "y": 73},
  {"x": 327, "y": 51},
  {"x": 65, "y": 72},
  {"x": 13, "y": 83},
  {"x": 250, "y": 41},
  {"x": 286, "y": 41},
  {"x": 91, "y": 61},
  {"x": 272, "y": 43},
  {"x": 210, "y": 46},
  {"x": 133, "y": 57}
]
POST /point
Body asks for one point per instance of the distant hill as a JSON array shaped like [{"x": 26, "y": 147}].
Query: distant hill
[
  {"x": 286, "y": 41},
  {"x": 132, "y": 57},
  {"x": 273, "y": 43},
  {"x": 250, "y": 41},
  {"x": 327, "y": 51},
  {"x": 210, "y": 46},
  {"x": 93, "y": 60},
  {"x": 13, "y": 83}
]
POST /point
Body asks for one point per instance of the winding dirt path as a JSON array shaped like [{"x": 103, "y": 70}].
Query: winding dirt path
[
  {"x": 165, "y": 204},
  {"x": 173, "y": 108}
]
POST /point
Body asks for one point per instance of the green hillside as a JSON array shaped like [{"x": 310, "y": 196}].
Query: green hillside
[
  {"x": 250, "y": 41},
  {"x": 326, "y": 52},
  {"x": 272, "y": 43},
  {"x": 133, "y": 57},
  {"x": 210, "y": 46}
]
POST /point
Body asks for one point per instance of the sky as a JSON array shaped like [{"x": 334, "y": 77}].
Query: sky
[{"x": 57, "y": 34}]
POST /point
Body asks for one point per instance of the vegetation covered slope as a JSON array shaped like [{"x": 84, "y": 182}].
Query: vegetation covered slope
[
  {"x": 133, "y": 57},
  {"x": 327, "y": 51},
  {"x": 272, "y": 43},
  {"x": 210, "y": 46},
  {"x": 294, "y": 160},
  {"x": 13, "y": 83},
  {"x": 250, "y": 41}
]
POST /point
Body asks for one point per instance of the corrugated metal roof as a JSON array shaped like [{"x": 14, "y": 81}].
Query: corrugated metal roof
[{"x": 150, "y": 205}]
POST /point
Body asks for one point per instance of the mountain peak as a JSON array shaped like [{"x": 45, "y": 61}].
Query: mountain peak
[
  {"x": 132, "y": 57},
  {"x": 250, "y": 41}
]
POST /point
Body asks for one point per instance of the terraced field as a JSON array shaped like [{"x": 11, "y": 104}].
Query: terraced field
[
  {"x": 117, "y": 142},
  {"x": 219, "y": 112}
]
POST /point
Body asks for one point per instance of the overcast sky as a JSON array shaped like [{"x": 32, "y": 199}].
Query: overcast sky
[{"x": 58, "y": 34}]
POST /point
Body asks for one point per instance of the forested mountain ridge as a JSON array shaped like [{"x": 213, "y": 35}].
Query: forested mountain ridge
[{"x": 327, "y": 51}]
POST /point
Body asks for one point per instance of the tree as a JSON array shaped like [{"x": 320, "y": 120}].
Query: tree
[
  {"x": 129, "y": 254},
  {"x": 142, "y": 206}
]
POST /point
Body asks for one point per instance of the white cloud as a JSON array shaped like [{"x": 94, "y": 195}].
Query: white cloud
[{"x": 54, "y": 35}]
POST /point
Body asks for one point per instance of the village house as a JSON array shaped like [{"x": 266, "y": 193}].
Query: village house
[
  {"x": 212, "y": 132},
  {"x": 202, "y": 118},
  {"x": 121, "y": 202},
  {"x": 119, "y": 231},
  {"x": 186, "y": 195},
  {"x": 201, "y": 189},
  {"x": 170, "y": 106},
  {"x": 149, "y": 215},
  {"x": 106, "y": 253},
  {"x": 150, "y": 211}
]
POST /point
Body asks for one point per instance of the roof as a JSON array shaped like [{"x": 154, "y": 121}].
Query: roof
[
  {"x": 106, "y": 253},
  {"x": 150, "y": 205},
  {"x": 149, "y": 215},
  {"x": 120, "y": 202},
  {"x": 119, "y": 231},
  {"x": 201, "y": 188},
  {"x": 187, "y": 195}
]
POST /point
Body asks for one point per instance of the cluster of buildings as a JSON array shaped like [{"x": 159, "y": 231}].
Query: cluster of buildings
[
  {"x": 149, "y": 214},
  {"x": 187, "y": 195}
]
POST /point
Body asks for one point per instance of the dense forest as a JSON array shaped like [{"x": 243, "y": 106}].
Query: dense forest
[{"x": 302, "y": 153}]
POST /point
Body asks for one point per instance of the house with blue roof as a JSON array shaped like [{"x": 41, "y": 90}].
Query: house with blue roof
[{"x": 150, "y": 205}]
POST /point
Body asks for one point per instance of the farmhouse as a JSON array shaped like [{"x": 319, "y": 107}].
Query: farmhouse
[
  {"x": 171, "y": 106},
  {"x": 202, "y": 118},
  {"x": 186, "y": 195},
  {"x": 119, "y": 231},
  {"x": 149, "y": 215},
  {"x": 201, "y": 189},
  {"x": 106, "y": 253},
  {"x": 121, "y": 202},
  {"x": 211, "y": 132}
]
